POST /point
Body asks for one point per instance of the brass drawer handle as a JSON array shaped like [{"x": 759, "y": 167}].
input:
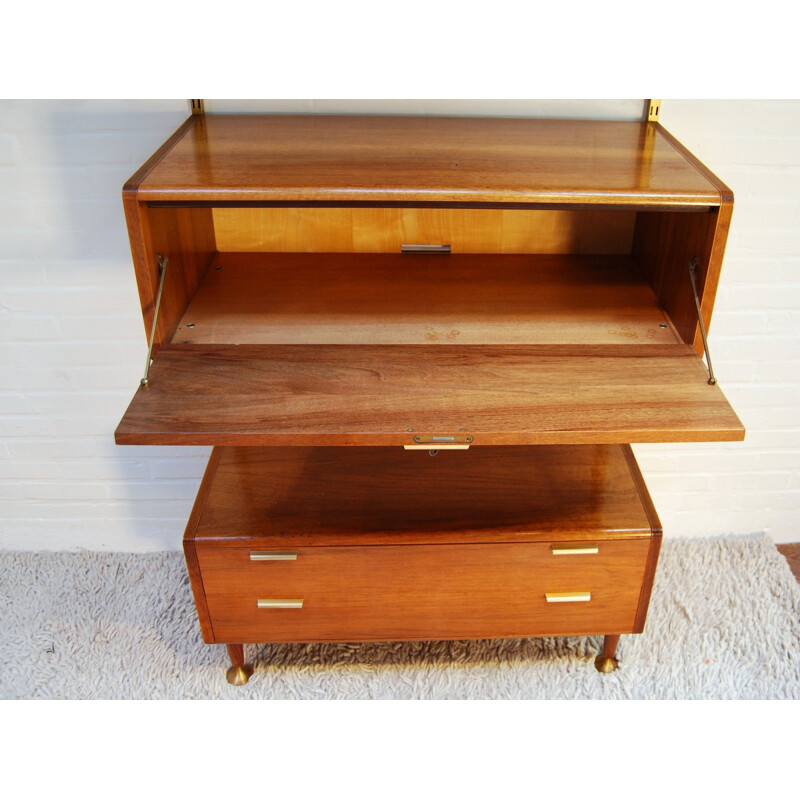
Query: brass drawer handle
[
  {"x": 568, "y": 597},
  {"x": 425, "y": 248},
  {"x": 580, "y": 550},
  {"x": 260, "y": 555},
  {"x": 284, "y": 602}
]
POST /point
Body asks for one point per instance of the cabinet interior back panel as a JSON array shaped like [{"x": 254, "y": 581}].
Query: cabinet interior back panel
[{"x": 386, "y": 230}]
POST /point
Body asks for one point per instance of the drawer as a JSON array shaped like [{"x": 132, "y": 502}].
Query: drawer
[{"x": 447, "y": 591}]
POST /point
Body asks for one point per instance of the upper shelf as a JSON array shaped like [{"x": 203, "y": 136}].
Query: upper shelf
[{"x": 421, "y": 160}]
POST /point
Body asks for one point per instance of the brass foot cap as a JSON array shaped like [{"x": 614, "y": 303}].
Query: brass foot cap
[
  {"x": 239, "y": 676},
  {"x": 605, "y": 664}
]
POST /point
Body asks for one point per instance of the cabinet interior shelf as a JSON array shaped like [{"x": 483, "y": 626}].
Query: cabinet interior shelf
[{"x": 343, "y": 298}]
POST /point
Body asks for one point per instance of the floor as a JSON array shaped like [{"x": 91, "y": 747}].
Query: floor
[{"x": 792, "y": 554}]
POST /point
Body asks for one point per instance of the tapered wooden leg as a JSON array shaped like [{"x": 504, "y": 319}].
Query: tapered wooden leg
[
  {"x": 607, "y": 661},
  {"x": 239, "y": 673}
]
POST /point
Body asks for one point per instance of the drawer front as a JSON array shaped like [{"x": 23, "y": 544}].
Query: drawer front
[{"x": 422, "y": 591}]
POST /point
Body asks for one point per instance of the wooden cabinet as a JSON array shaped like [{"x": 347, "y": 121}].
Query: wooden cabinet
[
  {"x": 329, "y": 299},
  {"x": 321, "y": 544}
]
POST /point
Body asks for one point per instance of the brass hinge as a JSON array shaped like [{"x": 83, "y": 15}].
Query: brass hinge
[
  {"x": 197, "y": 107},
  {"x": 653, "y": 110},
  {"x": 435, "y": 442}
]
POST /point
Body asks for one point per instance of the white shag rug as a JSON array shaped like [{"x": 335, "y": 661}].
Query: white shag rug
[{"x": 724, "y": 623}]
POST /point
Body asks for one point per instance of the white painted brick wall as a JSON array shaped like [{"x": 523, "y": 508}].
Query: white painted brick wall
[
  {"x": 72, "y": 343},
  {"x": 752, "y": 486}
]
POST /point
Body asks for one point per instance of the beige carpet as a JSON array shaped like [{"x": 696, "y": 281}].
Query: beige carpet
[{"x": 724, "y": 623}]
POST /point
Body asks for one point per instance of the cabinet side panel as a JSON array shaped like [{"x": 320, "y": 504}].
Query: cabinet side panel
[
  {"x": 655, "y": 538},
  {"x": 709, "y": 279},
  {"x": 664, "y": 245},
  {"x": 145, "y": 269},
  {"x": 647, "y": 582},
  {"x": 137, "y": 221},
  {"x": 185, "y": 236},
  {"x": 198, "y": 590},
  {"x": 190, "y": 551}
]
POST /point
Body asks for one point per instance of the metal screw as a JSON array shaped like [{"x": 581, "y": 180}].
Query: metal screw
[
  {"x": 663, "y": 325},
  {"x": 190, "y": 325}
]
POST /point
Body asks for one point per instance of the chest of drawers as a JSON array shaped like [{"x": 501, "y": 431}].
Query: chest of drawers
[
  {"x": 356, "y": 544},
  {"x": 331, "y": 300}
]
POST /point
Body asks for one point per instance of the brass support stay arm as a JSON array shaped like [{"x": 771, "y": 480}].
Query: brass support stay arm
[
  {"x": 692, "y": 270},
  {"x": 162, "y": 266}
]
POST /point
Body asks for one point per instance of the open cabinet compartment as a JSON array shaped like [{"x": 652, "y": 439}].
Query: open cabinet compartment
[{"x": 563, "y": 313}]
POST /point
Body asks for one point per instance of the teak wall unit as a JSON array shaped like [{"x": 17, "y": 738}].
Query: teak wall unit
[{"x": 332, "y": 300}]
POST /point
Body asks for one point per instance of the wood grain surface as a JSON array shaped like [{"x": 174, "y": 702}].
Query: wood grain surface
[
  {"x": 385, "y": 230},
  {"x": 385, "y": 394},
  {"x": 338, "y": 298},
  {"x": 423, "y": 592},
  {"x": 664, "y": 246},
  {"x": 276, "y": 497},
  {"x": 388, "y": 544},
  {"x": 411, "y": 160},
  {"x": 791, "y": 552}
]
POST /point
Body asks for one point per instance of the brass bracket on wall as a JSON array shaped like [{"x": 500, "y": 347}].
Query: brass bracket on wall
[
  {"x": 653, "y": 110},
  {"x": 197, "y": 107}
]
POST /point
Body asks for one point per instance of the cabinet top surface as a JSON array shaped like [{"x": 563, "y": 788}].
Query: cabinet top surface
[{"x": 413, "y": 160}]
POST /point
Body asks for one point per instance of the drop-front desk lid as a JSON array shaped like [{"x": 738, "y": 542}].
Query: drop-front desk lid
[{"x": 390, "y": 394}]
